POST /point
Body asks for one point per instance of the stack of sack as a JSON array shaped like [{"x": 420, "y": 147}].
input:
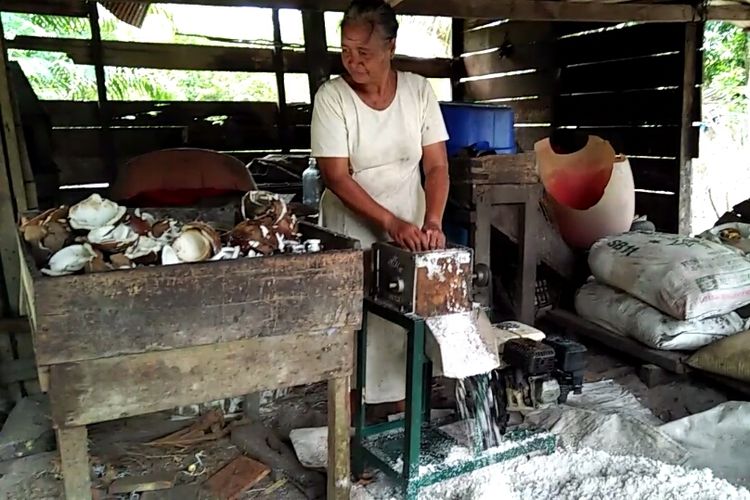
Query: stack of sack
[{"x": 668, "y": 291}]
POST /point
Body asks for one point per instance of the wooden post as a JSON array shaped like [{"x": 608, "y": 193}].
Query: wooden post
[
  {"x": 527, "y": 257},
  {"x": 458, "y": 68},
  {"x": 339, "y": 483},
  {"x": 7, "y": 110},
  {"x": 12, "y": 194},
  {"x": 481, "y": 237},
  {"x": 106, "y": 139},
  {"x": 316, "y": 50},
  {"x": 278, "y": 63},
  {"x": 72, "y": 443},
  {"x": 690, "y": 52}
]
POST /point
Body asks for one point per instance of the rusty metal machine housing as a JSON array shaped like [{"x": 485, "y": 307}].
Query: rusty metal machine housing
[{"x": 427, "y": 284}]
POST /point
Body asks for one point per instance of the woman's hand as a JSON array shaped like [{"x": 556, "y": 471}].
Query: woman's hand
[
  {"x": 435, "y": 237},
  {"x": 406, "y": 235}
]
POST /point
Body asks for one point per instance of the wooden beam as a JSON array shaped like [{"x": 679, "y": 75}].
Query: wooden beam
[
  {"x": 316, "y": 50},
  {"x": 693, "y": 34},
  {"x": 320, "y": 5},
  {"x": 521, "y": 10},
  {"x": 9, "y": 203},
  {"x": 205, "y": 57},
  {"x": 73, "y": 8},
  {"x": 546, "y": 10},
  {"x": 573, "y": 325},
  {"x": 105, "y": 135},
  {"x": 192, "y": 373},
  {"x": 7, "y": 112},
  {"x": 458, "y": 27},
  {"x": 278, "y": 68}
]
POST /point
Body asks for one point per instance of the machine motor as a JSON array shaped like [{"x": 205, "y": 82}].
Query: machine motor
[
  {"x": 534, "y": 375},
  {"x": 539, "y": 374}
]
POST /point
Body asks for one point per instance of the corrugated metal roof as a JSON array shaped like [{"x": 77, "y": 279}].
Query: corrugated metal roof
[{"x": 130, "y": 12}]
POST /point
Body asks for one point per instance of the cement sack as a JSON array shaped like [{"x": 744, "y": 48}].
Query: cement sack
[
  {"x": 619, "y": 312},
  {"x": 684, "y": 277},
  {"x": 729, "y": 357}
]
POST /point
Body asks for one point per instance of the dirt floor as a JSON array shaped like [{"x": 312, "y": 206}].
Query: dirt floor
[
  {"x": 119, "y": 448},
  {"x": 669, "y": 401}
]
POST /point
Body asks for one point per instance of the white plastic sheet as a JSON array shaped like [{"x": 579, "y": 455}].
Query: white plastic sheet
[{"x": 718, "y": 439}]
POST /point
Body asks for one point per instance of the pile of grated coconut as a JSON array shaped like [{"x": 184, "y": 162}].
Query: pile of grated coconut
[{"x": 581, "y": 475}]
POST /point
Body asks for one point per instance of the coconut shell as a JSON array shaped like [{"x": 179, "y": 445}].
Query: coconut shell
[
  {"x": 119, "y": 261},
  {"x": 34, "y": 233},
  {"x": 192, "y": 246},
  {"x": 57, "y": 236},
  {"x": 145, "y": 251},
  {"x": 250, "y": 235},
  {"x": 97, "y": 264},
  {"x": 287, "y": 226},
  {"x": 261, "y": 204},
  {"x": 59, "y": 214},
  {"x": 138, "y": 225},
  {"x": 159, "y": 228},
  {"x": 208, "y": 232},
  {"x": 37, "y": 220},
  {"x": 94, "y": 212},
  {"x": 40, "y": 254}
]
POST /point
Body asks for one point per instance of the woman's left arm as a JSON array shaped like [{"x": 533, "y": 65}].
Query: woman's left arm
[{"x": 435, "y": 165}]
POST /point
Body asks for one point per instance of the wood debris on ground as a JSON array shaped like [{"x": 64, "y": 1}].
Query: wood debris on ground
[
  {"x": 209, "y": 427},
  {"x": 236, "y": 477},
  {"x": 151, "y": 482}
]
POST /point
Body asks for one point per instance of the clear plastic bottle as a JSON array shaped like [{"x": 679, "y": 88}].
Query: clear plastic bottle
[{"x": 312, "y": 184}]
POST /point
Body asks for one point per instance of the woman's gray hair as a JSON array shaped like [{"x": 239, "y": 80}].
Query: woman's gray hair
[{"x": 376, "y": 13}]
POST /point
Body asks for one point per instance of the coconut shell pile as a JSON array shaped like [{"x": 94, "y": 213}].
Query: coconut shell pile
[{"x": 98, "y": 235}]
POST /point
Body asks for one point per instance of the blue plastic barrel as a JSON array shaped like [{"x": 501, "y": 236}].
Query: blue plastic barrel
[{"x": 469, "y": 124}]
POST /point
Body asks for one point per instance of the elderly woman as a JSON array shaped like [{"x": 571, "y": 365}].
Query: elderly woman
[{"x": 371, "y": 129}]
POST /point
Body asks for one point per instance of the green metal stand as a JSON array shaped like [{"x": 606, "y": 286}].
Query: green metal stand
[{"x": 411, "y": 451}]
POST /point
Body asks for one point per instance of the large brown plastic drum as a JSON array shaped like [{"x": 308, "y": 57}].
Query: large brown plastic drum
[{"x": 179, "y": 177}]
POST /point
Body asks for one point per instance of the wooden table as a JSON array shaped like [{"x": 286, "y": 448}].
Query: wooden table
[
  {"x": 483, "y": 185},
  {"x": 124, "y": 343}
]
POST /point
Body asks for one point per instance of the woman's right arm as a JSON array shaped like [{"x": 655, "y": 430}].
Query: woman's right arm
[{"x": 337, "y": 178}]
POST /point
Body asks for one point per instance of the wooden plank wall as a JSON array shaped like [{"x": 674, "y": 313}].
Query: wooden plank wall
[
  {"x": 244, "y": 129},
  {"x": 620, "y": 82}
]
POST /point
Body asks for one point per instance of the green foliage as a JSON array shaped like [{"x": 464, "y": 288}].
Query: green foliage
[
  {"x": 725, "y": 64},
  {"x": 54, "y": 76}
]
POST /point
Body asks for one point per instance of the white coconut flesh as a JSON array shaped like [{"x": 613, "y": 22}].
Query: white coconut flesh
[
  {"x": 192, "y": 246},
  {"x": 120, "y": 235},
  {"x": 95, "y": 212},
  {"x": 150, "y": 219},
  {"x": 69, "y": 260},
  {"x": 169, "y": 257},
  {"x": 227, "y": 253}
]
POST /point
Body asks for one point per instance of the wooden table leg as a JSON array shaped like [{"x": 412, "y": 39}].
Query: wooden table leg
[
  {"x": 481, "y": 242},
  {"x": 339, "y": 482},
  {"x": 72, "y": 442},
  {"x": 527, "y": 248}
]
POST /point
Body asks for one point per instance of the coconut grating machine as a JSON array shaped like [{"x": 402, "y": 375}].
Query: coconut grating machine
[{"x": 429, "y": 294}]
